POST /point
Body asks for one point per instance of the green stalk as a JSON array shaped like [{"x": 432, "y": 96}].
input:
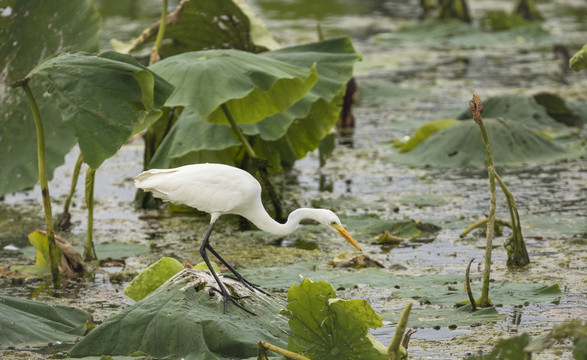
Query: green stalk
[
  {"x": 239, "y": 132},
  {"x": 394, "y": 351},
  {"x": 160, "y": 34},
  {"x": 262, "y": 169},
  {"x": 53, "y": 259},
  {"x": 89, "y": 251},
  {"x": 476, "y": 109},
  {"x": 64, "y": 222}
]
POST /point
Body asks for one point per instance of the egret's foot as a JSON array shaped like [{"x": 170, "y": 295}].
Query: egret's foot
[
  {"x": 234, "y": 299},
  {"x": 249, "y": 285}
]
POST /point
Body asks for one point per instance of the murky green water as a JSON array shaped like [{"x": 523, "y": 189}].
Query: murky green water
[{"x": 436, "y": 80}]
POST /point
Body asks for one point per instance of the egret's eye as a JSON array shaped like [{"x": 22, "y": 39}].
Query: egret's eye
[{"x": 333, "y": 222}]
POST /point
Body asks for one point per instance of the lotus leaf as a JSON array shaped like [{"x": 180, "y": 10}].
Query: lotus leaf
[
  {"x": 31, "y": 31},
  {"x": 184, "y": 318},
  {"x": 504, "y": 292},
  {"x": 520, "y": 108},
  {"x": 152, "y": 277},
  {"x": 202, "y": 24},
  {"x": 428, "y": 317},
  {"x": 462, "y": 144},
  {"x": 282, "y": 137},
  {"x": 251, "y": 86},
  {"x": 579, "y": 61},
  {"x": 324, "y": 327},
  {"x": 103, "y": 98},
  {"x": 29, "y": 322},
  {"x": 425, "y": 131}
]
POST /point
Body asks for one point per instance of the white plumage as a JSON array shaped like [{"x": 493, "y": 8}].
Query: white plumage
[{"x": 221, "y": 189}]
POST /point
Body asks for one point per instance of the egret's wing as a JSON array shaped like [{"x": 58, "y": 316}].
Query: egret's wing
[{"x": 212, "y": 188}]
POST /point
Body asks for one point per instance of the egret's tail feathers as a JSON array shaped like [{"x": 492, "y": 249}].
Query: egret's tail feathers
[{"x": 151, "y": 179}]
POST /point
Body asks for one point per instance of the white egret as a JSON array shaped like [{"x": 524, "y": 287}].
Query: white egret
[{"x": 221, "y": 189}]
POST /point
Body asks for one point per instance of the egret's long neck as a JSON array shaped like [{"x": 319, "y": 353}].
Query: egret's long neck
[{"x": 266, "y": 223}]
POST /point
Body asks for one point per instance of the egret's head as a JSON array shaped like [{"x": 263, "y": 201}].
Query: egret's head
[{"x": 328, "y": 218}]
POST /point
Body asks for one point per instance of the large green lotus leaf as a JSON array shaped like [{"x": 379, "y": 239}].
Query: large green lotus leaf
[
  {"x": 29, "y": 32},
  {"x": 191, "y": 135},
  {"x": 33, "y": 323},
  {"x": 251, "y": 86},
  {"x": 462, "y": 144},
  {"x": 281, "y": 138},
  {"x": 579, "y": 61},
  {"x": 437, "y": 33},
  {"x": 103, "y": 98},
  {"x": 334, "y": 60},
  {"x": 203, "y": 24},
  {"x": 428, "y": 317},
  {"x": 184, "y": 318},
  {"x": 520, "y": 108},
  {"x": 324, "y": 327},
  {"x": 504, "y": 292}
]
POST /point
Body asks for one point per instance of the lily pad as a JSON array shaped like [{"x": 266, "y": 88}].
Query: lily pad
[
  {"x": 31, "y": 31},
  {"x": 184, "y": 318},
  {"x": 429, "y": 317},
  {"x": 462, "y": 145},
  {"x": 32, "y": 323}
]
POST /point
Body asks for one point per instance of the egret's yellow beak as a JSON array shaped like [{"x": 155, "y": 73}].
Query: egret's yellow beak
[{"x": 347, "y": 236}]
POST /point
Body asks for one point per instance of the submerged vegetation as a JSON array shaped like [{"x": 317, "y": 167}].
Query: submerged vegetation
[{"x": 211, "y": 82}]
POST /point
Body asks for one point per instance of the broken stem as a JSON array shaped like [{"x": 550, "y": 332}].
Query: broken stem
[
  {"x": 478, "y": 223},
  {"x": 393, "y": 350},
  {"x": 65, "y": 216},
  {"x": 89, "y": 250},
  {"x": 263, "y": 346},
  {"x": 468, "y": 286}
]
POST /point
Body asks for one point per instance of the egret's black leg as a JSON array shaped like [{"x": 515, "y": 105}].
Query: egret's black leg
[
  {"x": 237, "y": 275},
  {"x": 222, "y": 289}
]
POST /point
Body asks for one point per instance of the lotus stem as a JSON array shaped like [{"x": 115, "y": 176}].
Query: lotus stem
[
  {"x": 64, "y": 222},
  {"x": 239, "y": 132},
  {"x": 160, "y": 34},
  {"x": 393, "y": 350},
  {"x": 263, "y": 346},
  {"x": 41, "y": 156},
  {"x": 89, "y": 250},
  {"x": 256, "y": 161},
  {"x": 478, "y": 223},
  {"x": 468, "y": 286},
  {"x": 515, "y": 246},
  {"x": 476, "y": 109}
]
